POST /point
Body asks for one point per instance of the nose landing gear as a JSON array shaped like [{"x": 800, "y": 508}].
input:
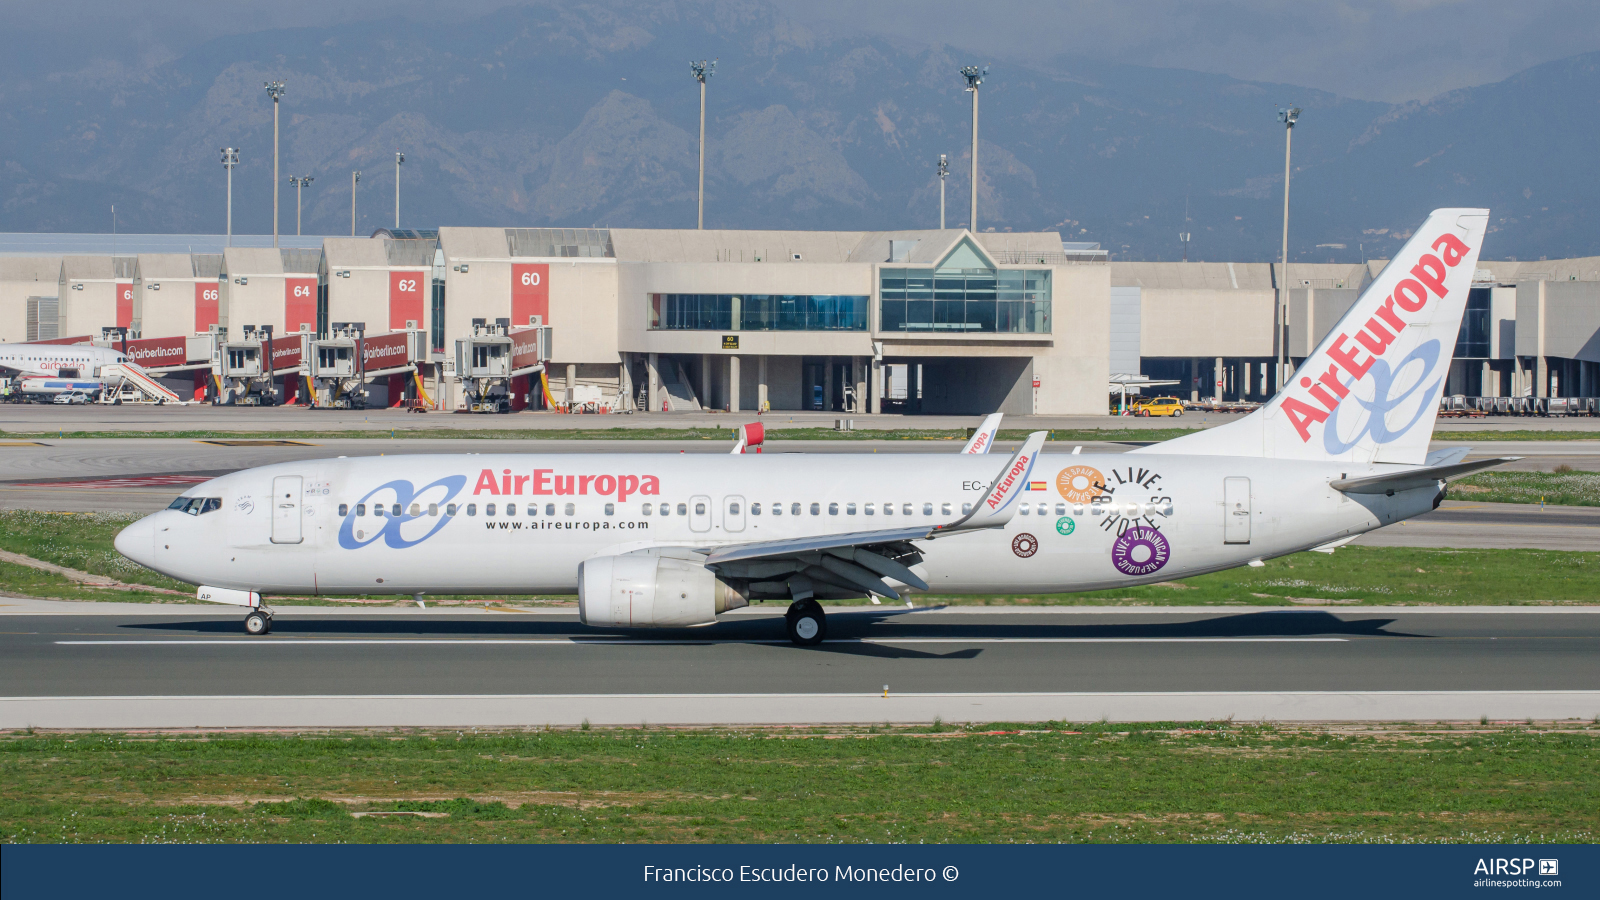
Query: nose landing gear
[
  {"x": 806, "y": 623},
  {"x": 258, "y": 622}
]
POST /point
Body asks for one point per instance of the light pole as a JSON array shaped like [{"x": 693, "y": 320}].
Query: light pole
[
  {"x": 1183, "y": 238},
  {"x": 1288, "y": 117},
  {"x": 275, "y": 91},
  {"x": 299, "y": 184},
  {"x": 974, "y": 77},
  {"x": 355, "y": 179},
  {"x": 398, "y": 159},
  {"x": 230, "y": 158},
  {"x": 702, "y": 70},
  {"x": 944, "y": 170}
]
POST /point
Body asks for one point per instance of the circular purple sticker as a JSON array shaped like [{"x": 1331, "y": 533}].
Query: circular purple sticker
[{"x": 1139, "y": 551}]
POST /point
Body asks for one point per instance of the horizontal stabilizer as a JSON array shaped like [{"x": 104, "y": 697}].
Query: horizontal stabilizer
[{"x": 1410, "y": 479}]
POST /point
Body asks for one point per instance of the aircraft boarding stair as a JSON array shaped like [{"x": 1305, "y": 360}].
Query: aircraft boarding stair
[{"x": 130, "y": 383}]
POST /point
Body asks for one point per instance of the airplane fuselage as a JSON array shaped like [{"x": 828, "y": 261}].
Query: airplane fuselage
[{"x": 523, "y": 523}]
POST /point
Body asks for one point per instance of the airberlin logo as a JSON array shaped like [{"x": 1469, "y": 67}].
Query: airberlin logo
[
  {"x": 547, "y": 482},
  {"x": 1329, "y": 390}
]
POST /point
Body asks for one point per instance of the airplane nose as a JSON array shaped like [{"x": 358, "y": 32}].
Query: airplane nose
[{"x": 138, "y": 542}]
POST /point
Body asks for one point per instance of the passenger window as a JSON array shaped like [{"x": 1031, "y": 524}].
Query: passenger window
[
  {"x": 906, "y": 510},
  {"x": 867, "y": 509},
  {"x": 647, "y": 509},
  {"x": 777, "y": 509},
  {"x": 450, "y": 509},
  {"x": 1022, "y": 508},
  {"x": 944, "y": 509},
  {"x": 733, "y": 509},
  {"x": 361, "y": 509},
  {"x": 472, "y": 509},
  {"x": 533, "y": 509},
  {"x": 816, "y": 509},
  {"x": 888, "y": 509},
  {"x": 1077, "y": 509},
  {"x": 344, "y": 509},
  {"x": 395, "y": 511},
  {"x": 850, "y": 509},
  {"x": 794, "y": 509},
  {"x": 549, "y": 509},
  {"x": 377, "y": 510},
  {"x": 755, "y": 509},
  {"x": 699, "y": 509},
  {"x": 416, "y": 509},
  {"x": 966, "y": 508},
  {"x": 683, "y": 509},
  {"x": 611, "y": 509},
  {"x": 571, "y": 509},
  {"x": 927, "y": 509},
  {"x": 488, "y": 509},
  {"x": 511, "y": 509},
  {"x": 433, "y": 509},
  {"x": 833, "y": 509},
  {"x": 1061, "y": 509}
]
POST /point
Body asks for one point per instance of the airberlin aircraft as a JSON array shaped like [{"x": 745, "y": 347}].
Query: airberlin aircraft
[{"x": 675, "y": 540}]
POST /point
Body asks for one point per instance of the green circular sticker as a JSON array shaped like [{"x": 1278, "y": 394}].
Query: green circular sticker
[{"x": 1064, "y": 525}]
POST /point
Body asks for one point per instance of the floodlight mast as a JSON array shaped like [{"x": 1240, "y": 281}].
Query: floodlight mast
[
  {"x": 1288, "y": 117},
  {"x": 398, "y": 159},
  {"x": 974, "y": 77},
  {"x": 230, "y": 158},
  {"x": 355, "y": 178},
  {"x": 1183, "y": 238},
  {"x": 275, "y": 91},
  {"x": 299, "y": 184},
  {"x": 944, "y": 170},
  {"x": 701, "y": 71}
]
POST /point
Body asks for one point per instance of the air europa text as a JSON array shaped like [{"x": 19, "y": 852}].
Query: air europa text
[{"x": 547, "y": 482}]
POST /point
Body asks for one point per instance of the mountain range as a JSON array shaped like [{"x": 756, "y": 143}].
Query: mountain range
[{"x": 586, "y": 115}]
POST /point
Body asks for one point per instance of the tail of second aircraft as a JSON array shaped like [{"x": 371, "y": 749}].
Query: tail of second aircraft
[{"x": 1370, "y": 391}]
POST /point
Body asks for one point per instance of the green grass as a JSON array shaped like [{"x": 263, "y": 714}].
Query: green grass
[
  {"x": 1552, "y": 488},
  {"x": 1204, "y": 782},
  {"x": 424, "y": 432},
  {"x": 1525, "y": 434},
  {"x": 1353, "y": 575}
]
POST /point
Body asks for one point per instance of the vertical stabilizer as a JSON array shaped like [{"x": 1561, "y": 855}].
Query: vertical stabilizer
[{"x": 1370, "y": 391}]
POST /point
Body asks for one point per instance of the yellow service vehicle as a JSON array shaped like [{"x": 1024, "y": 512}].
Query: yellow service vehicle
[{"x": 1158, "y": 406}]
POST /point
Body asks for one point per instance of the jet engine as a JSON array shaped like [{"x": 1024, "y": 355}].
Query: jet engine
[{"x": 646, "y": 591}]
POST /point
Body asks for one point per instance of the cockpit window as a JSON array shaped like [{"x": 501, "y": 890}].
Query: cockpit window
[{"x": 196, "y": 506}]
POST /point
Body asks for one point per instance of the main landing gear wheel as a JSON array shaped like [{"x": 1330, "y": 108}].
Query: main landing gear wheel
[
  {"x": 258, "y": 623},
  {"x": 807, "y": 624}
]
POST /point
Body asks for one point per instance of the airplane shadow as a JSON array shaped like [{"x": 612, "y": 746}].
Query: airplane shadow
[{"x": 844, "y": 627}]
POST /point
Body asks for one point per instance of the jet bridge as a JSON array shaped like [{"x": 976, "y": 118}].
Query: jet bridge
[
  {"x": 341, "y": 365},
  {"x": 488, "y": 361},
  {"x": 246, "y": 370}
]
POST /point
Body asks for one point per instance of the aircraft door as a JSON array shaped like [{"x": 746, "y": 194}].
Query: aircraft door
[
  {"x": 1236, "y": 510},
  {"x": 732, "y": 513},
  {"x": 286, "y": 491},
  {"x": 699, "y": 513}
]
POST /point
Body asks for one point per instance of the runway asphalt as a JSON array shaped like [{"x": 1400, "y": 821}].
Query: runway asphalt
[{"x": 161, "y": 668}]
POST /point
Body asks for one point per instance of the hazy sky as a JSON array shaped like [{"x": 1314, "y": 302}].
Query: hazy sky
[{"x": 1392, "y": 50}]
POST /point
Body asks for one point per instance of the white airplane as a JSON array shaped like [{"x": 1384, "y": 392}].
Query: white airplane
[
  {"x": 675, "y": 540},
  {"x": 983, "y": 439},
  {"x": 78, "y": 362}
]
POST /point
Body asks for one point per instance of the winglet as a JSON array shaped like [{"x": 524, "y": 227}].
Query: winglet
[
  {"x": 998, "y": 504},
  {"x": 983, "y": 438}
]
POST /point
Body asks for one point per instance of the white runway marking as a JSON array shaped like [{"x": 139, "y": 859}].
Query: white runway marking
[{"x": 577, "y": 642}]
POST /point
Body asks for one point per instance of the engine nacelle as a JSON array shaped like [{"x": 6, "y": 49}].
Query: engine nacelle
[{"x": 652, "y": 592}]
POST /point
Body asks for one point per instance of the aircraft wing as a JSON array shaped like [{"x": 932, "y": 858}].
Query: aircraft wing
[
  {"x": 983, "y": 438},
  {"x": 1410, "y": 479},
  {"x": 860, "y": 560}
]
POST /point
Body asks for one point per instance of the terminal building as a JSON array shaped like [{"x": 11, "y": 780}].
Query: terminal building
[{"x": 938, "y": 321}]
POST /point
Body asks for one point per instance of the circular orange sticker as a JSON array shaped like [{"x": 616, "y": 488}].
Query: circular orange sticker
[{"x": 1080, "y": 484}]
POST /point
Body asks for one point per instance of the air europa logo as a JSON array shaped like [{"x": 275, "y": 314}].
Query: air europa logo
[
  {"x": 1329, "y": 390},
  {"x": 396, "y": 529},
  {"x": 1003, "y": 493},
  {"x": 547, "y": 482}
]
